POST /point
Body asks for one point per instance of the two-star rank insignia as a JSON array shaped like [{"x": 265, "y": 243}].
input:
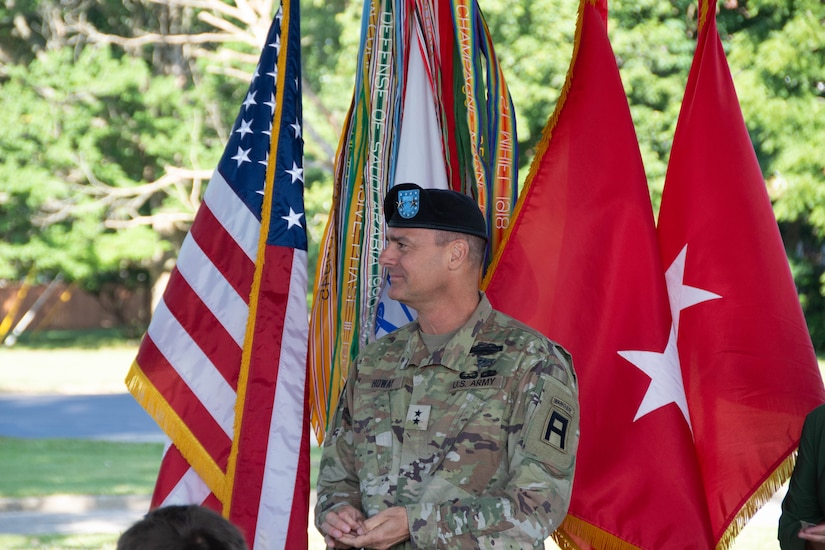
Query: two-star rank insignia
[{"x": 418, "y": 416}]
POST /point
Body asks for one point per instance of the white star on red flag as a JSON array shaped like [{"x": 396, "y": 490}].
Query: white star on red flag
[{"x": 664, "y": 368}]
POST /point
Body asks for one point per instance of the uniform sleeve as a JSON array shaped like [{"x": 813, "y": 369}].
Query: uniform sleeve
[
  {"x": 544, "y": 427},
  {"x": 801, "y": 501},
  {"x": 337, "y": 477}
]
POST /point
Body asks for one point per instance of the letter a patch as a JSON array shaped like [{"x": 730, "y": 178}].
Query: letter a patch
[
  {"x": 557, "y": 425},
  {"x": 553, "y": 434}
]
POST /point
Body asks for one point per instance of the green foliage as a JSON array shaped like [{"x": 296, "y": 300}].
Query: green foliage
[
  {"x": 778, "y": 62},
  {"x": 53, "y": 466},
  {"x": 654, "y": 43},
  {"x": 329, "y": 47},
  {"x": 534, "y": 44},
  {"x": 79, "y": 117},
  {"x": 810, "y": 280},
  {"x": 781, "y": 84},
  {"x": 75, "y": 123}
]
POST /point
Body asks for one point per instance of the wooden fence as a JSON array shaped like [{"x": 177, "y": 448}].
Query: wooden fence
[{"x": 66, "y": 307}]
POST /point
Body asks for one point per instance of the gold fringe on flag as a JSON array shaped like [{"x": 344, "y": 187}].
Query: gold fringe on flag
[
  {"x": 159, "y": 409},
  {"x": 574, "y": 527},
  {"x": 757, "y": 500}
]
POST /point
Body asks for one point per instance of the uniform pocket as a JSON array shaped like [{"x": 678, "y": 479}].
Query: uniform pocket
[
  {"x": 475, "y": 440},
  {"x": 373, "y": 437}
]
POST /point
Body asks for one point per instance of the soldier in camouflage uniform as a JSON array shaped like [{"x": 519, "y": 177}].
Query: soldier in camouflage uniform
[{"x": 458, "y": 430}]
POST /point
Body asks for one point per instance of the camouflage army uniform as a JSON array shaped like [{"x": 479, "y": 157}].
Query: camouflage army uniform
[{"x": 476, "y": 440}]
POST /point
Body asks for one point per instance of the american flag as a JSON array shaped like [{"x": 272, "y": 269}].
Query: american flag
[{"x": 222, "y": 367}]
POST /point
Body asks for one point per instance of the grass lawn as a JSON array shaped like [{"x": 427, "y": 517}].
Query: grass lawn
[
  {"x": 66, "y": 361},
  {"x": 69, "y": 371},
  {"x": 75, "y": 363},
  {"x": 40, "y": 467},
  {"x": 58, "y": 542},
  {"x": 63, "y": 466}
]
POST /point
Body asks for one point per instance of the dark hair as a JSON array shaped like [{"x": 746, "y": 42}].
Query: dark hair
[
  {"x": 477, "y": 245},
  {"x": 188, "y": 527}
]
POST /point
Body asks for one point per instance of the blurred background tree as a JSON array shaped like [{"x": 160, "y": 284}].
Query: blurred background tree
[{"x": 114, "y": 114}]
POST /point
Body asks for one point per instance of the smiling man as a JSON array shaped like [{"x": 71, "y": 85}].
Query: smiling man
[{"x": 460, "y": 429}]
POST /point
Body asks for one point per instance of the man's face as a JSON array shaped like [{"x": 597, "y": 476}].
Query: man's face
[{"x": 416, "y": 265}]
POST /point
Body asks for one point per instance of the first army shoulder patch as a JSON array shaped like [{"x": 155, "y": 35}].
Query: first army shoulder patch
[
  {"x": 552, "y": 435},
  {"x": 557, "y": 425}
]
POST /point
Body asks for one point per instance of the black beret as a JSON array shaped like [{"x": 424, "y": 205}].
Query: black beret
[{"x": 409, "y": 205}]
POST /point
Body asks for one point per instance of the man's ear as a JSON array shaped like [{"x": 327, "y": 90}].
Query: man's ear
[{"x": 459, "y": 252}]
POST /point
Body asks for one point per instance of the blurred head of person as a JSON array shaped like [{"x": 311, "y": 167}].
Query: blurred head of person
[{"x": 189, "y": 527}]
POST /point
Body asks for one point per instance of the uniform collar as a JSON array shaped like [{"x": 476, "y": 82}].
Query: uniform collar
[{"x": 456, "y": 348}]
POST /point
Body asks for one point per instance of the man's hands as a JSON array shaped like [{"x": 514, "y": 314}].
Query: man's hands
[
  {"x": 346, "y": 527},
  {"x": 345, "y": 521},
  {"x": 815, "y": 535},
  {"x": 384, "y": 530}
]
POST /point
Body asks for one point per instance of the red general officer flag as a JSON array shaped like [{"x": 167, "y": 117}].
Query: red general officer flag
[
  {"x": 222, "y": 368},
  {"x": 749, "y": 368},
  {"x": 581, "y": 264}
]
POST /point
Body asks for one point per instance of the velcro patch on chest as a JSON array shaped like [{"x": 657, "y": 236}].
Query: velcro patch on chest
[
  {"x": 478, "y": 383},
  {"x": 418, "y": 416},
  {"x": 385, "y": 383}
]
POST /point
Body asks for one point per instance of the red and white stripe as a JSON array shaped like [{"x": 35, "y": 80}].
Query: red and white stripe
[{"x": 192, "y": 356}]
